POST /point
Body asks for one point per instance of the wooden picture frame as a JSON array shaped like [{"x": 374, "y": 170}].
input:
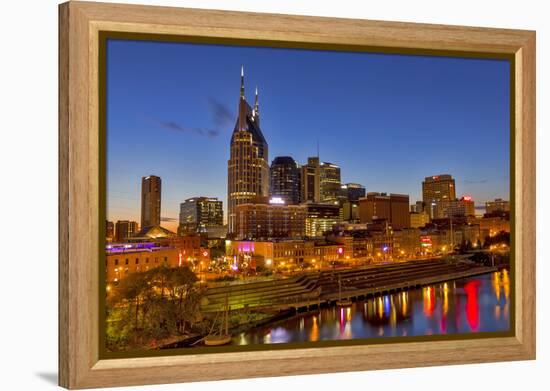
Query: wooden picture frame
[{"x": 80, "y": 24}]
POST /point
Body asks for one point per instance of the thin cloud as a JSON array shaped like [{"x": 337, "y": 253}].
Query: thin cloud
[
  {"x": 176, "y": 127},
  {"x": 168, "y": 219},
  {"x": 471, "y": 182},
  {"x": 221, "y": 114}
]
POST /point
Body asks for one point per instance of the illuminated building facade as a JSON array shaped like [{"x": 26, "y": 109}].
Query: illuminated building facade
[
  {"x": 248, "y": 167},
  {"x": 465, "y": 206},
  {"x": 435, "y": 189},
  {"x": 265, "y": 221},
  {"x": 492, "y": 225},
  {"x": 200, "y": 215},
  {"x": 126, "y": 260},
  {"x": 150, "y": 200},
  {"x": 419, "y": 220},
  {"x": 311, "y": 180},
  {"x": 321, "y": 218},
  {"x": 133, "y": 257},
  {"x": 330, "y": 182},
  {"x": 125, "y": 229},
  {"x": 285, "y": 182},
  {"x": 285, "y": 254}
]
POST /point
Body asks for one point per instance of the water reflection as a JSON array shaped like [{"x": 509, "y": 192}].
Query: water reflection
[{"x": 477, "y": 304}]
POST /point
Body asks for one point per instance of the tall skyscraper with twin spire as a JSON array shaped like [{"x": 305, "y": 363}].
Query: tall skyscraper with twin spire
[{"x": 248, "y": 167}]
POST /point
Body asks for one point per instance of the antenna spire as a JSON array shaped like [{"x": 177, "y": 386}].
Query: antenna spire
[
  {"x": 242, "y": 81},
  {"x": 256, "y": 103}
]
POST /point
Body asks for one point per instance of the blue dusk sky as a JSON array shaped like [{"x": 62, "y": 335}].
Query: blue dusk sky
[{"x": 387, "y": 120}]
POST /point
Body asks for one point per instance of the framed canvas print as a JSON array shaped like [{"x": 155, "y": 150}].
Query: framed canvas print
[{"x": 247, "y": 195}]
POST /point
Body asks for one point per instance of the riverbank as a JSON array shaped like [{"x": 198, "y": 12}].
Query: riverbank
[
  {"x": 358, "y": 285},
  {"x": 479, "y": 303},
  {"x": 323, "y": 286}
]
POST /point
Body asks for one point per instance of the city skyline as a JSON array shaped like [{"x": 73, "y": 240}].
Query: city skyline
[{"x": 189, "y": 152}]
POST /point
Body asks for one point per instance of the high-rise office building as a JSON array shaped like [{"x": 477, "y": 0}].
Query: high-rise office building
[
  {"x": 109, "y": 230},
  {"x": 350, "y": 193},
  {"x": 353, "y": 191},
  {"x": 248, "y": 167},
  {"x": 418, "y": 207},
  {"x": 393, "y": 208},
  {"x": 150, "y": 201},
  {"x": 125, "y": 229},
  {"x": 285, "y": 180},
  {"x": 330, "y": 182},
  {"x": 311, "y": 180},
  {"x": 200, "y": 214},
  {"x": 436, "y": 189},
  {"x": 399, "y": 205}
]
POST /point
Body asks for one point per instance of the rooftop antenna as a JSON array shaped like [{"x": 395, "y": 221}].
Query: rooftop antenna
[{"x": 317, "y": 147}]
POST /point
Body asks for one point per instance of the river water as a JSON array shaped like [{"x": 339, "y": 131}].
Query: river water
[{"x": 476, "y": 304}]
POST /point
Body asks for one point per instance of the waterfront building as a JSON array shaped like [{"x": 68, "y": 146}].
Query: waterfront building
[
  {"x": 406, "y": 243},
  {"x": 498, "y": 205},
  {"x": 248, "y": 167},
  {"x": 125, "y": 229},
  {"x": 265, "y": 221},
  {"x": 285, "y": 180},
  {"x": 109, "y": 231},
  {"x": 311, "y": 180},
  {"x": 150, "y": 200},
  {"x": 330, "y": 183},
  {"x": 321, "y": 218},
  {"x": 394, "y": 208},
  {"x": 121, "y": 261},
  {"x": 284, "y": 254},
  {"x": 152, "y": 248},
  {"x": 200, "y": 215},
  {"x": 435, "y": 189},
  {"x": 357, "y": 246}
]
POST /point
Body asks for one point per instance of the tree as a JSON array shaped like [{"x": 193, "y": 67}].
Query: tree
[
  {"x": 152, "y": 305},
  {"x": 186, "y": 296},
  {"x": 131, "y": 295}
]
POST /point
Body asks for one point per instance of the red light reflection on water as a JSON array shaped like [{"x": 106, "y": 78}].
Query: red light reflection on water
[
  {"x": 429, "y": 301},
  {"x": 472, "y": 304}
]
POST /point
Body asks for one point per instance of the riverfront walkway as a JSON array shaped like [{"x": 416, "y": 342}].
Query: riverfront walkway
[{"x": 321, "y": 288}]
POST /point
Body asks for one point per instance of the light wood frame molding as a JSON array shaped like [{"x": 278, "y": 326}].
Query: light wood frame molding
[{"x": 79, "y": 27}]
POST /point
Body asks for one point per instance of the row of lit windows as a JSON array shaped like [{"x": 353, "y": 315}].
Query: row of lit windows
[{"x": 127, "y": 261}]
